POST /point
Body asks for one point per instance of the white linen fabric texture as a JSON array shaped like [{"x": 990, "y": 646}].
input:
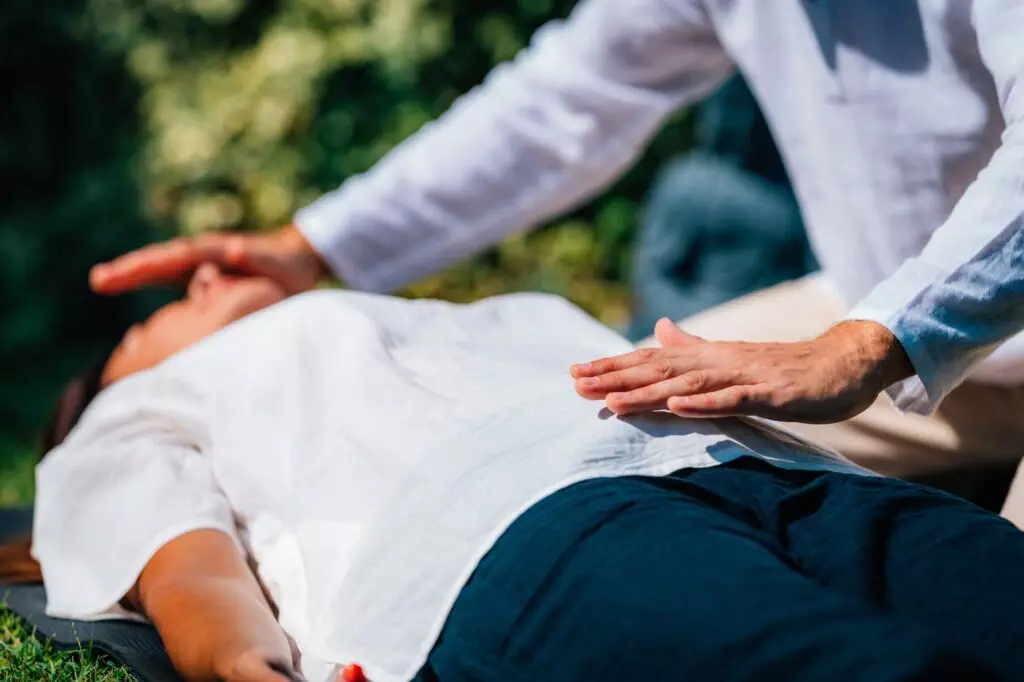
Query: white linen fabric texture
[
  {"x": 901, "y": 125},
  {"x": 368, "y": 450}
]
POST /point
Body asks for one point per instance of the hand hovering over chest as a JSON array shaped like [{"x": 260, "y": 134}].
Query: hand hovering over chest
[{"x": 825, "y": 379}]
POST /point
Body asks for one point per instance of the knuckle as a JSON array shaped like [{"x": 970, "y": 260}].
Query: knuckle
[
  {"x": 731, "y": 398},
  {"x": 696, "y": 381},
  {"x": 647, "y": 354},
  {"x": 180, "y": 247},
  {"x": 781, "y": 396},
  {"x": 663, "y": 368}
]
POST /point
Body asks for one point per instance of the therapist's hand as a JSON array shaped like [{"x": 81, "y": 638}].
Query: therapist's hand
[
  {"x": 827, "y": 379},
  {"x": 284, "y": 256}
]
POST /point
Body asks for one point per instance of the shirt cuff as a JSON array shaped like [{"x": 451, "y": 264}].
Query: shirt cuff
[
  {"x": 921, "y": 393},
  {"x": 322, "y": 235}
]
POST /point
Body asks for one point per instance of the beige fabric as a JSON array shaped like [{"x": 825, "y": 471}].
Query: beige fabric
[{"x": 976, "y": 423}]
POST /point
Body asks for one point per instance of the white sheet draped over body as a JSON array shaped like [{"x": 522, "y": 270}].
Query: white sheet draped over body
[{"x": 368, "y": 450}]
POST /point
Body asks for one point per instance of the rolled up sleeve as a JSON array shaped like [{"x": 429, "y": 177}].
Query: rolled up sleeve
[{"x": 964, "y": 294}]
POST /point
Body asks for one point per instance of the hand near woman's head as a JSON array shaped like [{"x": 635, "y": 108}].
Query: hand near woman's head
[
  {"x": 213, "y": 301},
  {"x": 283, "y": 256}
]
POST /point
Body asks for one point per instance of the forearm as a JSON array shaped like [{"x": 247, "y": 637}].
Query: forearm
[
  {"x": 207, "y": 624},
  {"x": 539, "y": 136},
  {"x": 867, "y": 352},
  {"x": 965, "y": 293},
  {"x": 210, "y": 611}
]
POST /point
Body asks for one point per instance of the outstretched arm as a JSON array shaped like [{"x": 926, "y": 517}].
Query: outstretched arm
[
  {"x": 211, "y": 612},
  {"x": 135, "y": 463},
  {"x": 542, "y": 134}
]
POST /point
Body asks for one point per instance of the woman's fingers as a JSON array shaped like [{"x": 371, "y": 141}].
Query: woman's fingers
[
  {"x": 254, "y": 667},
  {"x": 657, "y": 396}
]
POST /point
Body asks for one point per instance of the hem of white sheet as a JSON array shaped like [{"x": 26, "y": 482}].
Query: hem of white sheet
[
  {"x": 105, "y": 604},
  {"x": 379, "y": 674}
]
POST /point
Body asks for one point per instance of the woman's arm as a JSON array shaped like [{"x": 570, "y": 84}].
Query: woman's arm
[{"x": 211, "y": 612}]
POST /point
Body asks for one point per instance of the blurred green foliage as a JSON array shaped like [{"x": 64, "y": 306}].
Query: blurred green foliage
[{"x": 130, "y": 119}]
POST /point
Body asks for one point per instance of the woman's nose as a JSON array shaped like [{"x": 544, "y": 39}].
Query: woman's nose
[{"x": 203, "y": 278}]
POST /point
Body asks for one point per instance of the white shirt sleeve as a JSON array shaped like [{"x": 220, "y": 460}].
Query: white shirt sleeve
[
  {"x": 964, "y": 294},
  {"x": 542, "y": 134},
  {"x": 131, "y": 477}
]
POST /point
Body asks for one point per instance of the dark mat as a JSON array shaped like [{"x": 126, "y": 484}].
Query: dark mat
[{"x": 134, "y": 645}]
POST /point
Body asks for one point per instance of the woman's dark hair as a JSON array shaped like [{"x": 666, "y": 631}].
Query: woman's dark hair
[{"x": 16, "y": 563}]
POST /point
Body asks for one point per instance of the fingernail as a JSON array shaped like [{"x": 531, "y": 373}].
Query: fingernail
[
  {"x": 352, "y": 672},
  {"x": 614, "y": 396},
  {"x": 590, "y": 381}
]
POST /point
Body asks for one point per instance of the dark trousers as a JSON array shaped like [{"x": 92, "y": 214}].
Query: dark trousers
[{"x": 742, "y": 572}]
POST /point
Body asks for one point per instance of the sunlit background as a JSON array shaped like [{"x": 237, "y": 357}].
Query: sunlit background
[{"x": 124, "y": 121}]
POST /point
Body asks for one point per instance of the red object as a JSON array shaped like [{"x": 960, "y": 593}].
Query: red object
[{"x": 352, "y": 672}]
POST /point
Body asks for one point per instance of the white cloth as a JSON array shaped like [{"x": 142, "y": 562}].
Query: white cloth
[
  {"x": 370, "y": 450},
  {"x": 884, "y": 112}
]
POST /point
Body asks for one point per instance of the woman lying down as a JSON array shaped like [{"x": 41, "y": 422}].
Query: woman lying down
[{"x": 415, "y": 487}]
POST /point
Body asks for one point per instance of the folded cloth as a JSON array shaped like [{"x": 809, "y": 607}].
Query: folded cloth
[{"x": 134, "y": 645}]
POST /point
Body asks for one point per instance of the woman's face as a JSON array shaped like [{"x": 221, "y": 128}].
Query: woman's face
[{"x": 214, "y": 300}]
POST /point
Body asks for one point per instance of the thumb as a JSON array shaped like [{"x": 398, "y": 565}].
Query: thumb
[{"x": 669, "y": 334}]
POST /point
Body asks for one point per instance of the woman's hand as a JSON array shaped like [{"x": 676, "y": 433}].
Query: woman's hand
[
  {"x": 827, "y": 379},
  {"x": 256, "y": 665},
  {"x": 284, "y": 256}
]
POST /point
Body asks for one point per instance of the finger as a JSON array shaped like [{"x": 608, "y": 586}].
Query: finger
[
  {"x": 614, "y": 363},
  {"x": 267, "y": 671},
  {"x": 669, "y": 334},
  {"x": 726, "y": 402},
  {"x": 285, "y": 671},
  {"x": 657, "y": 370},
  {"x": 656, "y": 396},
  {"x": 166, "y": 263}
]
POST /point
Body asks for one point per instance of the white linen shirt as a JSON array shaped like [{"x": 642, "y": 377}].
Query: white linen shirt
[
  {"x": 897, "y": 121},
  {"x": 370, "y": 450}
]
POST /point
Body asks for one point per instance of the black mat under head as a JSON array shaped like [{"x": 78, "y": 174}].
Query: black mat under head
[{"x": 134, "y": 645}]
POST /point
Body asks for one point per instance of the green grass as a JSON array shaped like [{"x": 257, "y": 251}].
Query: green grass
[{"x": 22, "y": 656}]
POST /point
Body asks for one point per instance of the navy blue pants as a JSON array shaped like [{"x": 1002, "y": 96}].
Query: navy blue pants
[{"x": 742, "y": 572}]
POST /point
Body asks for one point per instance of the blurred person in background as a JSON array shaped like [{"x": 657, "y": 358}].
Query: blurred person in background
[
  {"x": 721, "y": 221},
  {"x": 902, "y": 126}
]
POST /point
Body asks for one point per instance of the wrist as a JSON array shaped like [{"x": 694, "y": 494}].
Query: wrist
[
  {"x": 292, "y": 239},
  {"x": 872, "y": 354}
]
